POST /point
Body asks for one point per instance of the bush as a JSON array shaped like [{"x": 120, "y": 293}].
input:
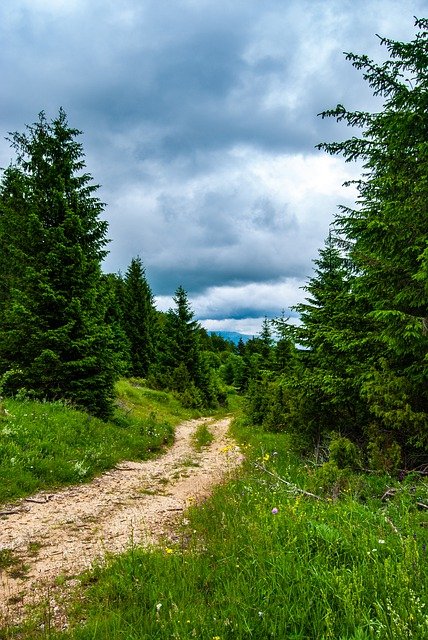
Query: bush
[{"x": 344, "y": 453}]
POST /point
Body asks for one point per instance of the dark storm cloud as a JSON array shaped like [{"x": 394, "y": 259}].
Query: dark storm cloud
[{"x": 200, "y": 120}]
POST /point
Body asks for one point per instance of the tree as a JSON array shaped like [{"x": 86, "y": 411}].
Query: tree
[
  {"x": 139, "y": 318},
  {"x": 182, "y": 366},
  {"x": 181, "y": 337},
  {"x": 387, "y": 230},
  {"x": 338, "y": 336},
  {"x": 53, "y": 338},
  {"x": 115, "y": 297}
]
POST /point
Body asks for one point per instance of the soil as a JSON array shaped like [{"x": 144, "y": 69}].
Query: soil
[{"x": 50, "y": 538}]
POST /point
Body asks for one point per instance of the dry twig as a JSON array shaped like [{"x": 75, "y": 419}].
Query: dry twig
[{"x": 289, "y": 484}]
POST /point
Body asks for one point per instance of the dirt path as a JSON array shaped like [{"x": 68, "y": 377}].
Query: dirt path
[{"x": 54, "y": 536}]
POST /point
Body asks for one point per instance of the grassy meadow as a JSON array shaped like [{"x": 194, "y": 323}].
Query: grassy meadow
[
  {"x": 45, "y": 445},
  {"x": 261, "y": 559}
]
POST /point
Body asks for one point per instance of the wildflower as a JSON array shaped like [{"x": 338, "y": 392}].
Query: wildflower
[
  {"x": 260, "y": 614},
  {"x": 168, "y": 550},
  {"x": 158, "y": 606},
  {"x": 274, "y": 511},
  {"x": 266, "y": 457},
  {"x": 216, "y": 638},
  {"x": 381, "y": 541}
]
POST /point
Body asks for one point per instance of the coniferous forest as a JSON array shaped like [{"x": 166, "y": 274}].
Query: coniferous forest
[{"x": 356, "y": 366}]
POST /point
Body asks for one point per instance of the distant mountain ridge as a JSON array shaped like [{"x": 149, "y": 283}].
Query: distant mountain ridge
[{"x": 233, "y": 336}]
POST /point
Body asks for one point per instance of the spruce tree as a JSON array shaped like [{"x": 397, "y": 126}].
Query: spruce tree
[
  {"x": 387, "y": 230},
  {"x": 337, "y": 333},
  {"x": 182, "y": 366},
  {"x": 139, "y": 318},
  {"x": 53, "y": 336},
  {"x": 115, "y": 296},
  {"x": 181, "y": 341}
]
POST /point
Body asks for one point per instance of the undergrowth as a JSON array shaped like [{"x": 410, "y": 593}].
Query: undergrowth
[{"x": 261, "y": 559}]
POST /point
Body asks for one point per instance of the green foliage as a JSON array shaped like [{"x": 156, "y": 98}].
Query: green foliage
[
  {"x": 344, "y": 453},
  {"x": 384, "y": 454},
  {"x": 182, "y": 365},
  {"x": 53, "y": 334},
  {"x": 114, "y": 296},
  {"x": 386, "y": 234},
  {"x": 363, "y": 369},
  {"x": 203, "y": 437}
]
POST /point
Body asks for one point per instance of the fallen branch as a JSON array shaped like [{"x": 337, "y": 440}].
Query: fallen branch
[
  {"x": 389, "y": 493},
  {"x": 289, "y": 484},
  {"x": 45, "y": 501},
  {"x": 10, "y": 513},
  {"x": 392, "y": 525},
  {"x": 422, "y": 505}
]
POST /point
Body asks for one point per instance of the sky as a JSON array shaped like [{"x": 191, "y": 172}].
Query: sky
[{"x": 199, "y": 121}]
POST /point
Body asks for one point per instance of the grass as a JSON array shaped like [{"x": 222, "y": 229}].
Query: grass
[
  {"x": 202, "y": 437},
  {"x": 12, "y": 565},
  {"x": 262, "y": 560},
  {"x": 45, "y": 445}
]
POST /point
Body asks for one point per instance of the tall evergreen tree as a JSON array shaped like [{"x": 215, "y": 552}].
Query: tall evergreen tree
[
  {"x": 388, "y": 231},
  {"x": 180, "y": 338},
  {"x": 182, "y": 366},
  {"x": 53, "y": 338},
  {"x": 139, "y": 318},
  {"x": 115, "y": 296},
  {"x": 338, "y": 336}
]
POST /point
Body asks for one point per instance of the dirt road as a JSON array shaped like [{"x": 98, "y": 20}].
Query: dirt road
[{"x": 54, "y": 536}]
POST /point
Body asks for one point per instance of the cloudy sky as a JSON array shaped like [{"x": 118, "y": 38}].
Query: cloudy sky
[{"x": 199, "y": 122}]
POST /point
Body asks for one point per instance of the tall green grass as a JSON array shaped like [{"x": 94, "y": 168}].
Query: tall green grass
[
  {"x": 44, "y": 445},
  {"x": 262, "y": 560}
]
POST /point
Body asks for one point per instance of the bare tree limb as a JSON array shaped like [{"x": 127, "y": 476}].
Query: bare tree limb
[{"x": 289, "y": 484}]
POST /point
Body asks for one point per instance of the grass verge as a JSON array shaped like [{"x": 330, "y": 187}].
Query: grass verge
[
  {"x": 44, "y": 445},
  {"x": 263, "y": 560}
]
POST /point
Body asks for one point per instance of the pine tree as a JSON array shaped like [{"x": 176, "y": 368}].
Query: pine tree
[
  {"x": 139, "y": 318},
  {"x": 182, "y": 366},
  {"x": 285, "y": 352},
  {"x": 387, "y": 230},
  {"x": 180, "y": 338},
  {"x": 53, "y": 336},
  {"x": 338, "y": 336}
]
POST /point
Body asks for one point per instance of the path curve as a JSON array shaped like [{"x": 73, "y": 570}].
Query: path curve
[{"x": 58, "y": 535}]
